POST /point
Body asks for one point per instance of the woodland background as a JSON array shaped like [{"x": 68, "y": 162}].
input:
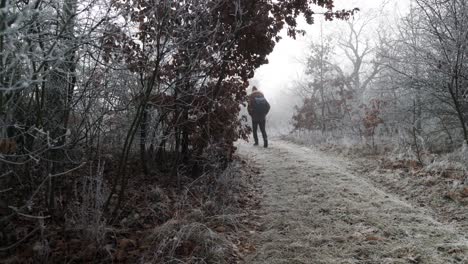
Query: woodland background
[{"x": 400, "y": 81}]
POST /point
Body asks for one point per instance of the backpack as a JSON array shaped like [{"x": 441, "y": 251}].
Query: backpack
[{"x": 261, "y": 105}]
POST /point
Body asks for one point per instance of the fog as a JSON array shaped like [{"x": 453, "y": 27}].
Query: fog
[{"x": 278, "y": 79}]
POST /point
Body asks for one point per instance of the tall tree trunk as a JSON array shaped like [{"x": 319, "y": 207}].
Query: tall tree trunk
[
  {"x": 143, "y": 139},
  {"x": 60, "y": 94}
]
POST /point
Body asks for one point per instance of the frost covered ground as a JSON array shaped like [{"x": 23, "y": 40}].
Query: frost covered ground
[{"x": 318, "y": 208}]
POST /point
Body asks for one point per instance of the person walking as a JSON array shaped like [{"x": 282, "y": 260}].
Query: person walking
[{"x": 258, "y": 107}]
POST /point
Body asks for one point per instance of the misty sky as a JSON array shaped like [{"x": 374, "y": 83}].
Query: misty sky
[{"x": 285, "y": 65}]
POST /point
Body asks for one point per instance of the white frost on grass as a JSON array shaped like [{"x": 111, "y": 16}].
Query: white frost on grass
[{"x": 315, "y": 211}]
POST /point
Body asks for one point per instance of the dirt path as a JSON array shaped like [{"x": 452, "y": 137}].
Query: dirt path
[{"x": 314, "y": 211}]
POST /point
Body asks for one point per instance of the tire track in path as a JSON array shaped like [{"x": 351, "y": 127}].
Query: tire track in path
[{"x": 314, "y": 211}]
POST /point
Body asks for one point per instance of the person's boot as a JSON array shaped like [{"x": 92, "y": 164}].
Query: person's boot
[
  {"x": 265, "y": 143},
  {"x": 255, "y": 139}
]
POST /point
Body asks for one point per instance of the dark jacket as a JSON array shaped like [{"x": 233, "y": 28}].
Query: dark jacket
[{"x": 256, "y": 116}]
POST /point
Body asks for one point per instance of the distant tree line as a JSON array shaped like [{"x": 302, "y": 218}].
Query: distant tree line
[{"x": 405, "y": 83}]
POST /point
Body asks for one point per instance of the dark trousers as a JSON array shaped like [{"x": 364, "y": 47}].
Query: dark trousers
[{"x": 255, "y": 125}]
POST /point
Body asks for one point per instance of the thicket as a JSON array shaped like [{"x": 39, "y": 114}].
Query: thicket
[
  {"x": 403, "y": 84},
  {"x": 93, "y": 93}
]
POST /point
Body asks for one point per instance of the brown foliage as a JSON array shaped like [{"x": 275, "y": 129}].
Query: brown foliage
[
  {"x": 372, "y": 116},
  {"x": 217, "y": 39}
]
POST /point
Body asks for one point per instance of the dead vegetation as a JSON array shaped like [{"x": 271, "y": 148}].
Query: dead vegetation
[
  {"x": 205, "y": 221},
  {"x": 435, "y": 181}
]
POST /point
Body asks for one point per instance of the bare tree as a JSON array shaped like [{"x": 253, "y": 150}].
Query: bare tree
[
  {"x": 338, "y": 89},
  {"x": 429, "y": 60}
]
